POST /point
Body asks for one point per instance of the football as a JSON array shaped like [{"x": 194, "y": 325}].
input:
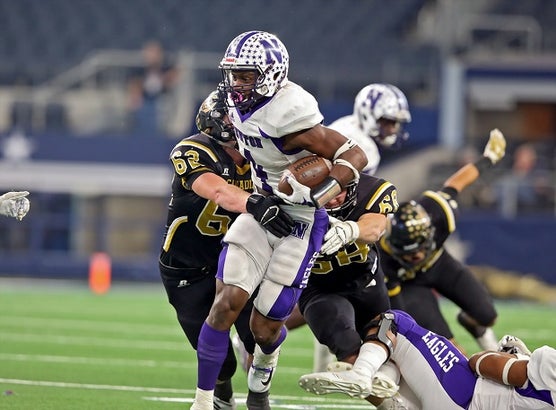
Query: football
[{"x": 309, "y": 171}]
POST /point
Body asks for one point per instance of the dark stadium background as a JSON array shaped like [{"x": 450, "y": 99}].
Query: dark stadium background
[{"x": 96, "y": 186}]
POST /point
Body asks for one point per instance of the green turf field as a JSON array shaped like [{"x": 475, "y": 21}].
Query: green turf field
[{"x": 62, "y": 347}]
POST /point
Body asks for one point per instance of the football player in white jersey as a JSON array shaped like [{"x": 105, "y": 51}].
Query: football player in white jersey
[
  {"x": 14, "y": 204},
  {"x": 277, "y": 122},
  {"x": 380, "y": 112},
  {"x": 437, "y": 376}
]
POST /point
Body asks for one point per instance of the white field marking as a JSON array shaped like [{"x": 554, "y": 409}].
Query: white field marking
[
  {"x": 89, "y": 386},
  {"x": 239, "y": 398},
  {"x": 93, "y": 325},
  {"x": 178, "y": 364},
  {"x": 93, "y": 341},
  {"x": 119, "y": 343},
  {"x": 278, "y": 404}
]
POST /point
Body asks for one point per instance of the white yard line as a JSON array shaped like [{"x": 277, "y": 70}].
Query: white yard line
[
  {"x": 296, "y": 402},
  {"x": 276, "y": 403},
  {"x": 79, "y": 360}
]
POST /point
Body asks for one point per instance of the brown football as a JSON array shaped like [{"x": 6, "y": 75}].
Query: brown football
[{"x": 309, "y": 171}]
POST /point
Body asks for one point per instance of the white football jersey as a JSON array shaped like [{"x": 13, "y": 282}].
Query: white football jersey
[
  {"x": 348, "y": 126},
  {"x": 259, "y": 133}
]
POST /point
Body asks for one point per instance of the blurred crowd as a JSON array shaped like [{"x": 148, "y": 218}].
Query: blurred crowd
[{"x": 524, "y": 183}]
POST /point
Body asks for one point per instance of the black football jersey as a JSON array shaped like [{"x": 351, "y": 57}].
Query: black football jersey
[
  {"x": 442, "y": 208},
  {"x": 356, "y": 263},
  {"x": 195, "y": 226}
]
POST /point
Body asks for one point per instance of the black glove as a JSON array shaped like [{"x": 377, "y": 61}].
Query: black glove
[{"x": 266, "y": 211}]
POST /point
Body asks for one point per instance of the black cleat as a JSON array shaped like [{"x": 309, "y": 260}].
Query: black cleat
[{"x": 258, "y": 401}]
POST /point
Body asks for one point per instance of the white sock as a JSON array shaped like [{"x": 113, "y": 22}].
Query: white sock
[
  {"x": 371, "y": 357},
  {"x": 321, "y": 357},
  {"x": 488, "y": 340},
  {"x": 204, "y": 397},
  {"x": 263, "y": 360}
]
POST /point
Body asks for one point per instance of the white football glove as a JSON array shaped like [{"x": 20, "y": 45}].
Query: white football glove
[
  {"x": 14, "y": 204},
  {"x": 339, "y": 235},
  {"x": 514, "y": 345},
  {"x": 301, "y": 194},
  {"x": 495, "y": 147}
]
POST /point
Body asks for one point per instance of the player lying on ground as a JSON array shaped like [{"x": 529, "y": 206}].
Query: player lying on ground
[{"x": 435, "y": 375}]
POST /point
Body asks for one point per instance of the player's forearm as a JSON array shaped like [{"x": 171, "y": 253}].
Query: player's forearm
[
  {"x": 231, "y": 198},
  {"x": 215, "y": 188},
  {"x": 500, "y": 367},
  {"x": 463, "y": 177}
]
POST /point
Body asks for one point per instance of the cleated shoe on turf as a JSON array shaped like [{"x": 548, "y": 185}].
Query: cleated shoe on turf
[
  {"x": 257, "y": 401},
  {"x": 392, "y": 403},
  {"x": 383, "y": 386},
  {"x": 261, "y": 371},
  {"x": 348, "y": 382},
  {"x": 338, "y": 366},
  {"x": 259, "y": 378},
  {"x": 220, "y": 404}
]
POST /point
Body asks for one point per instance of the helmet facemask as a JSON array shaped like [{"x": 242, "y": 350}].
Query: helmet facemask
[
  {"x": 390, "y": 136},
  {"x": 243, "y": 96}
]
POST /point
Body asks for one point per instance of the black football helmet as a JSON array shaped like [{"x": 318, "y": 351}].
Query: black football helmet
[
  {"x": 342, "y": 212},
  {"x": 210, "y": 118},
  {"x": 410, "y": 230}
]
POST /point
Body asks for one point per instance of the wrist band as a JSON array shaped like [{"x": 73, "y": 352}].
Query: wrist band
[
  {"x": 506, "y": 370},
  {"x": 478, "y": 363},
  {"x": 483, "y": 164}
]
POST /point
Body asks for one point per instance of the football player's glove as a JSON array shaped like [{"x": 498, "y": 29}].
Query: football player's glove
[
  {"x": 495, "y": 147},
  {"x": 15, "y": 204},
  {"x": 339, "y": 235},
  {"x": 514, "y": 345},
  {"x": 301, "y": 194},
  {"x": 266, "y": 210}
]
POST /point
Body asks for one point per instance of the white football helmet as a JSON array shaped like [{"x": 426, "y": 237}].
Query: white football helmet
[
  {"x": 382, "y": 101},
  {"x": 259, "y": 51}
]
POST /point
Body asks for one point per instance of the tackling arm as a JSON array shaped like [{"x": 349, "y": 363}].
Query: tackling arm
[
  {"x": 215, "y": 188},
  {"x": 265, "y": 210}
]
